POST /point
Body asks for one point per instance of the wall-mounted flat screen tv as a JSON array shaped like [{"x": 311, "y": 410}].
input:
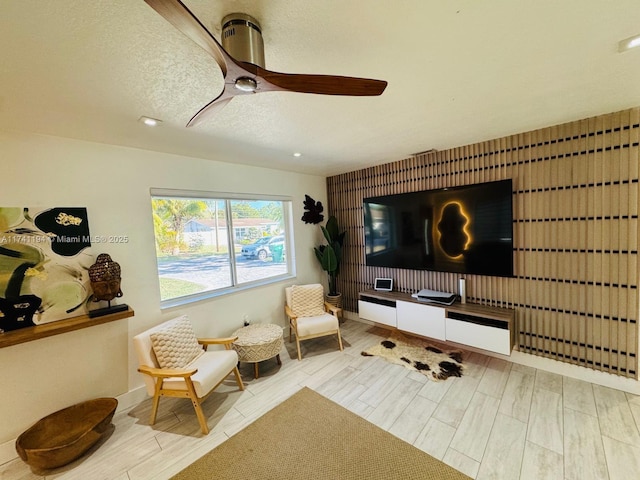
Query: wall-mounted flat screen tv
[{"x": 466, "y": 229}]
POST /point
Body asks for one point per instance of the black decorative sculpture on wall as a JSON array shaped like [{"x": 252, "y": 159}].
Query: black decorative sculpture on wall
[{"x": 313, "y": 211}]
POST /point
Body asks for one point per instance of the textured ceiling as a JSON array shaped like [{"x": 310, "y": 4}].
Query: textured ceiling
[{"x": 459, "y": 72}]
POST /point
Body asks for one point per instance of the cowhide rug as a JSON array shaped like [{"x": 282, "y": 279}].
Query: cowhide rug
[{"x": 418, "y": 355}]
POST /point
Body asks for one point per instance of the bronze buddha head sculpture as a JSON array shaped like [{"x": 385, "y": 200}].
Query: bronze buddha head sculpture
[{"x": 105, "y": 278}]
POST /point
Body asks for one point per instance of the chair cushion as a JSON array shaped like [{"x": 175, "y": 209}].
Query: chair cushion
[
  {"x": 307, "y": 300},
  {"x": 212, "y": 367},
  {"x": 176, "y": 345},
  {"x": 317, "y": 324}
]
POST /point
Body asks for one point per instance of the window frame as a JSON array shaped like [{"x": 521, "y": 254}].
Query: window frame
[{"x": 228, "y": 197}]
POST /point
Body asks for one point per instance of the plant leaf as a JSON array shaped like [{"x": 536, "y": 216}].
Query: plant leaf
[
  {"x": 329, "y": 260},
  {"x": 332, "y": 229}
]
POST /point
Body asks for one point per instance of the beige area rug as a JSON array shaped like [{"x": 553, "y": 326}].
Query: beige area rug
[
  {"x": 308, "y": 437},
  {"x": 419, "y": 355}
]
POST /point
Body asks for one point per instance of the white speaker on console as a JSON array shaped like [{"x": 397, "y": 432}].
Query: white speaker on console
[{"x": 462, "y": 290}]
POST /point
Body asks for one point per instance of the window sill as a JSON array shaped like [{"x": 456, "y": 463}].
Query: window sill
[{"x": 197, "y": 297}]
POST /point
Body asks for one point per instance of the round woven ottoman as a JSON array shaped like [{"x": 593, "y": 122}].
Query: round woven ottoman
[{"x": 258, "y": 342}]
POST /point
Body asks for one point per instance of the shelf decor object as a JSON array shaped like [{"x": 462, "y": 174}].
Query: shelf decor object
[{"x": 105, "y": 277}]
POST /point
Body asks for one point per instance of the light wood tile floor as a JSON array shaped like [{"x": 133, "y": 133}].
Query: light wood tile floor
[{"x": 499, "y": 421}]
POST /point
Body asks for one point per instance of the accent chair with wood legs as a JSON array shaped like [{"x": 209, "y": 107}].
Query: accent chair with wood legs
[
  {"x": 309, "y": 315},
  {"x": 177, "y": 364}
]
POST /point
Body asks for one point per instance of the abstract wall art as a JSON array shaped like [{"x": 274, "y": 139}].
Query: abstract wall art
[{"x": 44, "y": 261}]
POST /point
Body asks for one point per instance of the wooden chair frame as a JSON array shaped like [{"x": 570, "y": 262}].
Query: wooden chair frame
[
  {"x": 293, "y": 325},
  {"x": 160, "y": 374}
]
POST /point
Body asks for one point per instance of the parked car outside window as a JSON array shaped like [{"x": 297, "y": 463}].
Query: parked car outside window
[{"x": 261, "y": 248}]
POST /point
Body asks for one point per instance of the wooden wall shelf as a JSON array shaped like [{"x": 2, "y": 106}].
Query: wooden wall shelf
[{"x": 29, "y": 334}]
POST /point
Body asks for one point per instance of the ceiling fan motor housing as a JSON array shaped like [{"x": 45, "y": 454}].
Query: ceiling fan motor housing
[{"x": 242, "y": 38}]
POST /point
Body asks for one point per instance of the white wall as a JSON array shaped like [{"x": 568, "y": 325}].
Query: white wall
[{"x": 45, "y": 375}]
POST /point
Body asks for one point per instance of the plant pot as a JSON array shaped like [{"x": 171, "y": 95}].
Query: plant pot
[{"x": 335, "y": 300}]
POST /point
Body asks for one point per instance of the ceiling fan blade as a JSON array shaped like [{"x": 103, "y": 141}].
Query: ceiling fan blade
[
  {"x": 214, "y": 106},
  {"x": 321, "y": 84},
  {"x": 178, "y": 15}
]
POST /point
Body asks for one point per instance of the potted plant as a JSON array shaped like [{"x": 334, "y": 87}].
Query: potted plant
[{"x": 330, "y": 256}]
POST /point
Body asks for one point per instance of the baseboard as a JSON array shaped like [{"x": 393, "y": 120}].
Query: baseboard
[
  {"x": 346, "y": 314},
  {"x": 604, "y": 379},
  {"x": 617, "y": 382},
  {"x": 8, "y": 451},
  {"x": 131, "y": 398},
  {"x": 125, "y": 402}
]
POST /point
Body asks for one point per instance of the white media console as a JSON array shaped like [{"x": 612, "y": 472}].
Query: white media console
[{"x": 480, "y": 326}]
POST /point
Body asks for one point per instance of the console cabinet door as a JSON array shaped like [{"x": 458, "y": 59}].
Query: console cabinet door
[
  {"x": 481, "y": 336},
  {"x": 377, "y": 313},
  {"x": 425, "y": 320}
]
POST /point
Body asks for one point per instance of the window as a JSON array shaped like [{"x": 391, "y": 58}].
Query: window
[{"x": 209, "y": 244}]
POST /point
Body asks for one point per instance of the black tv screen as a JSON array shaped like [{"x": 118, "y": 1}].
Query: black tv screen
[{"x": 467, "y": 229}]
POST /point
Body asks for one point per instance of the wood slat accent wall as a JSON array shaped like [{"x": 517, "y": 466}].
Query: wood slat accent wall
[{"x": 575, "y": 226}]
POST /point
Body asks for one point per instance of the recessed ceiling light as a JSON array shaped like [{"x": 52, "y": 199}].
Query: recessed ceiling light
[
  {"x": 629, "y": 43},
  {"x": 151, "y": 122},
  {"x": 297, "y": 154}
]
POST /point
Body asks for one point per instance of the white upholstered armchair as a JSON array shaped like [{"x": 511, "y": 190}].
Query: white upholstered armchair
[
  {"x": 177, "y": 364},
  {"x": 309, "y": 315}
]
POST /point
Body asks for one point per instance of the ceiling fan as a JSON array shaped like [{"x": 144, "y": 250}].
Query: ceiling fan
[{"x": 241, "y": 59}]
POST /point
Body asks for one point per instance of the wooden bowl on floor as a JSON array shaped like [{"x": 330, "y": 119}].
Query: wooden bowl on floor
[{"x": 65, "y": 435}]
